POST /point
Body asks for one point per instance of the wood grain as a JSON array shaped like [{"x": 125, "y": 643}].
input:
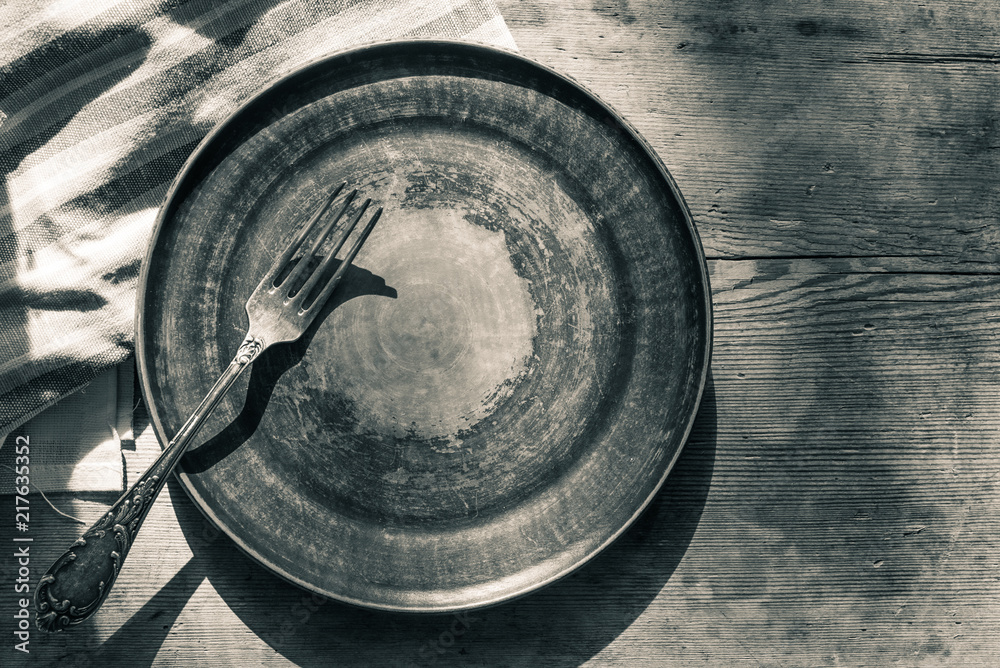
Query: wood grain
[
  {"x": 840, "y": 128},
  {"x": 838, "y": 501}
]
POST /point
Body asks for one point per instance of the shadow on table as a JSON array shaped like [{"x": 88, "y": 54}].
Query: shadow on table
[
  {"x": 564, "y": 624},
  {"x": 272, "y": 364}
]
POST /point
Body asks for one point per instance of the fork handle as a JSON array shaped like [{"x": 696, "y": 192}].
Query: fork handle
[{"x": 76, "y": 584}]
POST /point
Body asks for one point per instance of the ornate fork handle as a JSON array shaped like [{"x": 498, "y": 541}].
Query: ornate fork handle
[
  {"x": 79, "y": 581},
  {"x": 287, "y": 299}
]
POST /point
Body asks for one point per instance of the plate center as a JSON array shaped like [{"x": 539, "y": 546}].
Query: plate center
[{"x": 439, "y": 357}]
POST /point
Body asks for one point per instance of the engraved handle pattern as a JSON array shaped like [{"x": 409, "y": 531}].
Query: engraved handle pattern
[
  {"x": 111, "y": 535},
  {"x": 79, "y": 581}
]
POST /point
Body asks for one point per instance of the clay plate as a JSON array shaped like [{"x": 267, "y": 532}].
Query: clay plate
[{"x": 507, "y": 374}]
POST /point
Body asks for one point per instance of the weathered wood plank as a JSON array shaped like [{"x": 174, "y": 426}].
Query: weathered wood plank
[{"x": 841, "y": 128}]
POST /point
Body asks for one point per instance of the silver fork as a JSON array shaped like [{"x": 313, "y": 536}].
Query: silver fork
[{"x": 280, "y": 310}]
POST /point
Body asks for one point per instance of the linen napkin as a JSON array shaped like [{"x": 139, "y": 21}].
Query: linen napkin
[
  {"x": 100, "y": 104},
  {"x": 82, "y": 443}
]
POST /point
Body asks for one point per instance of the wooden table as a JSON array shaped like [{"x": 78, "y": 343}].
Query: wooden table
[{"x": 838, "y": 501}]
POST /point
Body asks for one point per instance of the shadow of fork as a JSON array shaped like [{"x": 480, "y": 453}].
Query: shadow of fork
[{"x": 268, "y": 369}]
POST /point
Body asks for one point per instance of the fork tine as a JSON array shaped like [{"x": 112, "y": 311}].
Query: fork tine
[
  {"x": 275, "y": 272},
  {"x": 321, "y": 237},
  {"x": 303, "y": 264},
  {"x": 309, "y": 285},
  {"x": 327, "y": 289},
  {"x": 306, "y": 288}
]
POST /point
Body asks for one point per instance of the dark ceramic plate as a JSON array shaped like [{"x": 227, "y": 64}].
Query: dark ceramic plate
[{"x": 502, "y": 382}]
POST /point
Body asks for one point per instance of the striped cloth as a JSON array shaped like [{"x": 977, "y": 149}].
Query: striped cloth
[{"x": 100, "y": 104}]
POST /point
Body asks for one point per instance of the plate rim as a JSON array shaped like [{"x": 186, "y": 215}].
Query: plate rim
[{"x": 168, "y": 205}]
